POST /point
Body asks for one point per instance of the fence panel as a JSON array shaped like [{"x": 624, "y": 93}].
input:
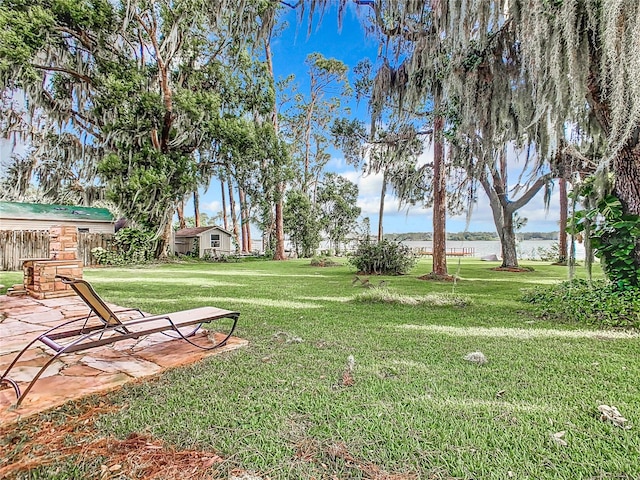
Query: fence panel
[
  {"x": 16, "y": 245},
  {"x": 87, "y": 241}
]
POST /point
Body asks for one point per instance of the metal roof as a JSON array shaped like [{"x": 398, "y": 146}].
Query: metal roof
[
  {"x": 41, "y": 211},
  {"x": 194, "y": 232}
]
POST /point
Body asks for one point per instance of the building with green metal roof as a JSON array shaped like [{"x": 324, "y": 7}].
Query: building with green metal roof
[{"x": 39, "y": 216}]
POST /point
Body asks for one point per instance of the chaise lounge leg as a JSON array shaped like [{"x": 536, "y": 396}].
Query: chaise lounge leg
[
  {"x": 219, "y": 344},
  {"x": 36, "y": 377},
  {"x": 5, "y": 376},
  {"x": 15, "y": 386}
]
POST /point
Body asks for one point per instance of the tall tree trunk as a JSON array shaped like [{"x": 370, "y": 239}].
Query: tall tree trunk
[
  {"x": 244, "y": 222},
  {"x": 279, "y": 253},
  {"x": 626, "y": 164},
  {"x": 439, "y": 198},
  {"x": 503, "y": 219},
  {"x": 232, "y": 212},
  {"x": 503, "y": 209},
  {"x": 164, "y": 241},
  {"x": 508, "y": 239},
  {"x": 225, "y": 220},
  {"x": 383, "y": 193},
  {"x": 248, "y": 222},
  {"x": 563, "y": 246},
  {"x": 180, "y": 209},
  {"x": 307, "y": 137},
  {"x": 196, "y": 207},
  {"x": 626, "y": 167}
]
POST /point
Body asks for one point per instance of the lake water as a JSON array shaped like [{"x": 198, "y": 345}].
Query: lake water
[{"x": 526, "y": 249}]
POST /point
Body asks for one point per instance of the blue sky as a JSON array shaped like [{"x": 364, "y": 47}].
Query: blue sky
[{"x": 351, "y": 45}]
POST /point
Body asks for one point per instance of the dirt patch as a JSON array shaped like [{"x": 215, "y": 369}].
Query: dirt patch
[
  {"x": 41, "y": 443},
  {"x": 336, "y": 457},
  {"x": 437, "y": 277},
  {"x": 513, "y": 269},
  {"x": 338, "y": 451}
]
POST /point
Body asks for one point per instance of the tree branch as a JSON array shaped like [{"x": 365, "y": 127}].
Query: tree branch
[
  {"x": 74, "y": 74},
  {"x": 85, "y": 123},
  {"x": 163, "y": 75},
  {"x": 530, "y": 193},
  {"x": 494, "y": 201},
  {"x": 82, "y": 36},
  {"x": 498, "y": 184}
]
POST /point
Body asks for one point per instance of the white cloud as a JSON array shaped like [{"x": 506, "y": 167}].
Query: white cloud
[
  {"x": 213, "y": 206},
  {"x": 418, "y": 218},
  {"x": 336, "y": 164},
  {"x": 368, "y": 185}
]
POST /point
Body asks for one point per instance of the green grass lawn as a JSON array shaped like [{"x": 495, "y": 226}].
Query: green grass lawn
[{"x": 279, "y": 408}]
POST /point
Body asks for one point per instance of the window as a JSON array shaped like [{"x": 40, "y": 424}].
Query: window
[
  {"x": 83, "y": 230},
  {"x": 215, "y": 240}
]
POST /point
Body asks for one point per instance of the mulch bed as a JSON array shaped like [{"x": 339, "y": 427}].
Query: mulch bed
[
  {"x": 437, "y": 278},
  {"x": 39, "y": 443},
  {"x": 69, "y": 435},
  {"x": 512, "y": 269}
]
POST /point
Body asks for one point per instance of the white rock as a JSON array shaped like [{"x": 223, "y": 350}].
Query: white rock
[{"x": 476, "y": 357}]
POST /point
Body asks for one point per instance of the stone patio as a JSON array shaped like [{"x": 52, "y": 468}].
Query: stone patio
[{"x": 76, "y": 375}]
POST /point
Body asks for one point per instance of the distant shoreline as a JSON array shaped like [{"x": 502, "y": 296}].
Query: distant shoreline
[
  {"x": 468, "y": 236},
  {"x": 525, "y": 249}
]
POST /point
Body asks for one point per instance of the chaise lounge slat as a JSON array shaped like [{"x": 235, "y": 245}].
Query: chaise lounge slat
[
  {"x": 109, "y": 328},
  {"x": 149, "y": 325}
]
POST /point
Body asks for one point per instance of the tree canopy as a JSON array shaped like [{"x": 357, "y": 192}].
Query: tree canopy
[
  {"x": 538, "y": 74},
  {"x": 143, "y": 90}
]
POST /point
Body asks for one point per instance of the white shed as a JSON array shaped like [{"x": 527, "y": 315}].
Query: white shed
[{"x": 210, "y": 241}]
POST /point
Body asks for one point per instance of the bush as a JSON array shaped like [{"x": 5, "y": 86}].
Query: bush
[
  {"x": 382, "y": 258},
  {"x": 598, "y": 303},
  {"x": 222, "y": 258},
  {"x": 129, "y": 246},
  {"x": 323, "y": 262},
  {"x": 549, "y": 254},
  {"x": 106, "y": 257},
  {"x": 384, "y": 295}
]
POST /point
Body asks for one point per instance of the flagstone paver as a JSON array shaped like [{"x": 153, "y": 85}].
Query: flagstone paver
[
  {"x": 83, "y": 373},
  {"x": 133, "y": 366},
  {"x": 14, "y": 327}
]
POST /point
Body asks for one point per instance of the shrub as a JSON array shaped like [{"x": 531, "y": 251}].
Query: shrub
[
  {"x": 382, "y": 258},
  {"x": 384, "y": 295},
  {"x": 222, "y": 258},
  {"x": 549, "y": 254},
  {"x": 129, "y": 246},
  {"x": 614, "y": 235},
  {"x": 106, "y": 257},
  {"x": 135, "y": 246},
  {"x": 599, "y": 303},
  {"x": 323, "y": 262}
]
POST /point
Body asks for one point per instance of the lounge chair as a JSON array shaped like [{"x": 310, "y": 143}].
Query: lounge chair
[{"x": 85, "y": 333}]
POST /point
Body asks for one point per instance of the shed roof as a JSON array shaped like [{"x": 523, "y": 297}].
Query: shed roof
[
  {"x": 41, "y": 211},
  {"x": 194, "y": 232}
]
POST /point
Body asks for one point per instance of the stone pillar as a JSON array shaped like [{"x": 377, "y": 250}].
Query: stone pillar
[
  {"x": 39, "y": 279},
  {"x": 63, "y": 242}
]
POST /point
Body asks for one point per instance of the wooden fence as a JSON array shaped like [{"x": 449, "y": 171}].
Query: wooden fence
[
  {"x": 87, "y": 241},
  {"x": 16, "y": 245}
]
